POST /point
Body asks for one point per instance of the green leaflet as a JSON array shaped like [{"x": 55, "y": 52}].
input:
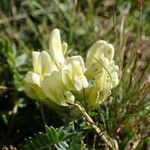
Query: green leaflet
[{"x": 59, "y": 139}]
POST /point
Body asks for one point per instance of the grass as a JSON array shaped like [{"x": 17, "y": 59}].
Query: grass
[{"x": 25, "y": 26}]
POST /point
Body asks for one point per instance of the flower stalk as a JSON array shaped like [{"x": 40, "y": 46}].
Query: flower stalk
[{"x": 112, "y": 143}]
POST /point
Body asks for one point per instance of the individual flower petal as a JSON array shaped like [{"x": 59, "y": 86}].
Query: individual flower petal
[
  {"x": 80, "y": 82},
  {"x": 36, "y": 62},
  {"x": 30, "y": 90},
  {"x": 67, "y": 76},
  {"x": 54, "y": 89},
  {"x": 73, "y": 73},
  {"x": 34, "y": 91},
  {"x": 98, "y": 50},
  {"x": 108, "y": 78},
  {"x": 97, "y": 68},
  {"x": 42, "y": 63},
  {"x": 47, "y": 66},
  {"x": 55, "y": 47},
  {"x": 88, "y": 97},
  {"x": 32, "y": 77},
  {"x": 94, "y": 96},
  {"x": 76, "y": 60},
  {"x": 114, "y": 79},
  {"x": 33, "y": 87}
]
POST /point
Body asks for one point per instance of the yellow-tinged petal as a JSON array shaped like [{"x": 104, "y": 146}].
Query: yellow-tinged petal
[
  {"x": 109, "y": 77},
  {"x": 34, "y": 91},
  {"x": 89, "y": 96},
  {"x": 32, "y": 77},
  {"x": 33, "y": 86},
  {"x": 80, "y": 82},
  {"x": 36, "y": 62},
  {"x": 93, "y": 70},
  {"x": 97, "y": 68},
  {"x": 93, "y": 98},
  {"x": 76, "y": 62},
  {"x": 67, "y": 76},
  {"x": 46, "y": 63},
  {"x": 54, "y": 89},
  {"x": 30, "y": 90},
  {"x": 73, "y": 73},
  {"x": 52, "y": 86},
  {"x": 55, "y": 47},
  {"x": 98, "y": 50}
]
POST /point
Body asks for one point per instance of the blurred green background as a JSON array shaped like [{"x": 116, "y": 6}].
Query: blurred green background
[{"x": 25, "y": 25}]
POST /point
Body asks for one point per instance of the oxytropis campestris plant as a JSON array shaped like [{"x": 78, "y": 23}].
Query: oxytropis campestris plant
[
  {"x": 60, "y": 81},
  {"x": 66, "y": 80}
]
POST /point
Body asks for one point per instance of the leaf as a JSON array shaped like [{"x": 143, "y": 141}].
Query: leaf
[
  {"x": 52, "y": 134},
  {"x": 60, "y": 138}
]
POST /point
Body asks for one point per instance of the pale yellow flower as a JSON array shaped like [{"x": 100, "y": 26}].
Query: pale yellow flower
[
  {"x": 45, "y": 80},
  {"x": 101, "y": 72},
  {"x": 42, "y": 66},
  {"x": 64, "y": 80},
  {"x": 42, "y": 63},
  {"x": 55, "y": 90},
  {"x": 33, "y": 86},
  {"x": 73, "y": 73},
  {"x": 56, "y": 48}
]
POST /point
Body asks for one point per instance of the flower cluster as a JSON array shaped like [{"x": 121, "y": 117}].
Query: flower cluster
[{"x": 68, "y": 79}]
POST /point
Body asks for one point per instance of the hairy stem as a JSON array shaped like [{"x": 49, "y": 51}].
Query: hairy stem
[{"x": 112, "y": 143}]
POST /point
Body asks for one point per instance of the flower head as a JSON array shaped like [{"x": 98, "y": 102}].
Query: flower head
[
  {"x": 68, "y": 79},
  {"x": 101, "y": 72}
]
